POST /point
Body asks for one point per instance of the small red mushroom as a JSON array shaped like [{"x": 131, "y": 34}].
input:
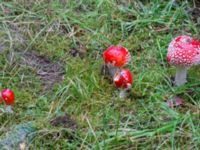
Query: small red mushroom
[
  {"x": 183, "y": 52},
  {"x": 8, "y": 97},
  {"x": 123, "y": 80},
  {"x": 116, "y": 57}
]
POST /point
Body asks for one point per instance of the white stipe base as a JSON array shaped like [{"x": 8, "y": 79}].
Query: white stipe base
[
  {"x": 122, "y": 93},
  {"x": 181, "y": 74},
  {"x": 8, "y": 109}
]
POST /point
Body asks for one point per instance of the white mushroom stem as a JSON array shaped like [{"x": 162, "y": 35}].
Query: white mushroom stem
[
  {"x": 123, "y": 93},
  {"x": 8, "y": 109},
  {"x": 181, "y": 74}
]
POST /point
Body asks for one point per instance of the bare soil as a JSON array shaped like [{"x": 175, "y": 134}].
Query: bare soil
[
  {"x": 65, "y": 121},
  {"x": 48, "y": 71}
]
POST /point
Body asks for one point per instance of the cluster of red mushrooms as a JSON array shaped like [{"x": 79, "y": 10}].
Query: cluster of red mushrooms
[
  {"x": 116, "y": 57},
  {"x": 183, "y": 52}
]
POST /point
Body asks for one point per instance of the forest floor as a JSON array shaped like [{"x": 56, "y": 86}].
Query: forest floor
[{"x": 51, "y": 57}]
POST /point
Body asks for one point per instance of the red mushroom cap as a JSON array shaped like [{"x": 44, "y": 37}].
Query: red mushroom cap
[
  {"x": 184, "y": 51},
  {"x": 8, "y": 96},
  {"x": 116, "y": 55},
  {"x": 123, "y": 79}
]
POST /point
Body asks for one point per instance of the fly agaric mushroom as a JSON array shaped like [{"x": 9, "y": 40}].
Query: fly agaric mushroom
[
  {"x": 183, "y": 52},
  {"x": 123, "y": 80},
  {"x": 116, "y": 57},
  {"x": 8, "y": 97}
]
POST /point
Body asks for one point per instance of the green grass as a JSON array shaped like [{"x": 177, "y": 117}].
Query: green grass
[{"x": 54, "y": 28}]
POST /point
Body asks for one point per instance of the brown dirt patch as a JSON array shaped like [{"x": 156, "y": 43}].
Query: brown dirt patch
[
  {"x": 78, "y": 50},
  {"x": 49, "y": 72},
  {"x": 195, "y": 14},
  {"x": 65, "y": 121}
]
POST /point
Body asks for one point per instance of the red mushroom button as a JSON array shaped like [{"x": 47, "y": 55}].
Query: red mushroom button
[
  {"x": 123, "y": 80},
  {"x": 8, "y": 96},
  {"x": 183, "y": 52},
  {"x": 116, "y": 57}
]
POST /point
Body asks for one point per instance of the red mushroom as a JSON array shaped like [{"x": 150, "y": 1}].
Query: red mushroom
[
  {"x": 183, "y": 52},
  {"x": 8, "y": 97},
  {"x": 123, "y": 80},
  {"x": 116, "y": 57}
]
